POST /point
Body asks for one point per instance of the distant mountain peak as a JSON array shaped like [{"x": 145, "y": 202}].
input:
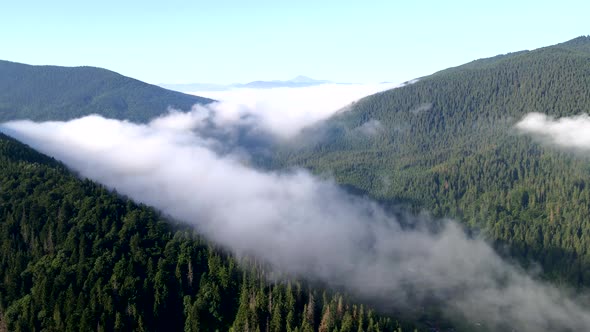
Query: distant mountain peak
[
  {"x": 304, "y": 79},
  {"x": 299, "y": 81}
]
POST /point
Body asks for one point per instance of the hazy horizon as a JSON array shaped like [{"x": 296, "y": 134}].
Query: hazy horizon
[{"x": 186, "y": 42}]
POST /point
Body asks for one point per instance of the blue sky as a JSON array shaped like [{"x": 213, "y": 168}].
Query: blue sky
[{"x": 228, "y": 41}]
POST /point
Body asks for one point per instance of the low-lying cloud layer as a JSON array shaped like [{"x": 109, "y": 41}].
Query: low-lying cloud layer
[
  {"x": 568, "y": 132},
  {"x": 302, "y": 225},
  {"x": 285, "y": 111}
]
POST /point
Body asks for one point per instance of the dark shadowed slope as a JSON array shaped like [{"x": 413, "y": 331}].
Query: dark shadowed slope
[
  {"x": 60, "y": 93},
  {"x": 447, "y": 144}
]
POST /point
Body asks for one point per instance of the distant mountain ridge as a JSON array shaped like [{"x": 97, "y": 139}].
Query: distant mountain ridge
[
  {"x": 296, "y": 82},
  {"x": 299, "y": 81},
  {"x": 61, "y": 93}
]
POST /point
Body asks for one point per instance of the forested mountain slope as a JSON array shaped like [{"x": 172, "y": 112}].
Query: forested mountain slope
[
  {"x": 44, "y": 93},
  {"x": 76, "y": 257},
  {"x": 447, "y": 144}
]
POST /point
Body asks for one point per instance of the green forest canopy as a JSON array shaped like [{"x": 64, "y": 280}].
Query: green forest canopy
[{"x": 447, "y": 144}]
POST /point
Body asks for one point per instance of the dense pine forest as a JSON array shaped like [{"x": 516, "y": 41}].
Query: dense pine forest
[
  {"x": 76, "y": 257},
  {"x": 447, "y": 144},
  {"x": 45, "y": 93}
]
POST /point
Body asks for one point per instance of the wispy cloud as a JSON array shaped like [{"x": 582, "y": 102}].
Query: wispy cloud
[
  {"x": 370, "y": 128},
  {"x": 424, "y": 107},
  {"x": 568, "y": 132}
]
